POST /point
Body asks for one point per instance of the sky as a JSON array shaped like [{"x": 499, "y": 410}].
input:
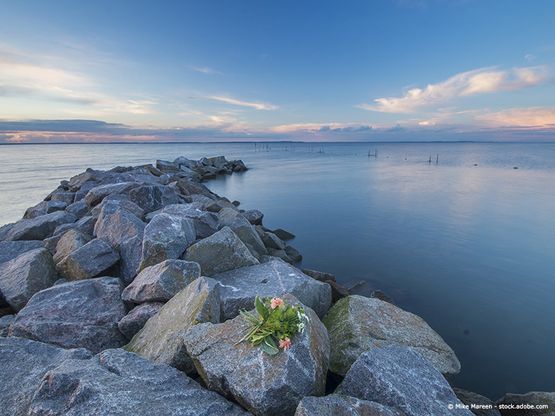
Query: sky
[{"x": 383, "y": 70}]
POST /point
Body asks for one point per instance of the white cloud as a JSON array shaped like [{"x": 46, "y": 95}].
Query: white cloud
[
  {"x": 257, "y": 105},
  {"x": 479, "y": 81},
  {"x": 520, "y": 117}
]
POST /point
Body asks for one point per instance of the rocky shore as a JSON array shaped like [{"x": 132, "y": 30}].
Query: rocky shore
[{"x": 120, "y": 294}]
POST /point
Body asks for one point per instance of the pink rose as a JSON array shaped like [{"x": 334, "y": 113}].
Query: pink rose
[
  {"x": 276, "y": 303},
  {"x": 285, "y": 343}
]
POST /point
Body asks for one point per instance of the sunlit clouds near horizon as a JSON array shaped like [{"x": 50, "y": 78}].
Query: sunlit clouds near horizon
[{"x": 215, "y": 71}]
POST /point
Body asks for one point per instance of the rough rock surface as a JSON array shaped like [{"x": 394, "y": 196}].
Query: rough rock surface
[
  {"x": 40, "y": 227},
  {"x": 206, "y": 223},
  {"x": 5, "y": 323},
  {"x": 338, "y": 405},
  {"x": 87, "y": 261},
  {"x": 263, "y": 384},
  {"x": 531, "y": 398},
  {"x": 401, "y": 378},
  {"x": 161, "y": 282},
  {"x": 357, "y": 324},
  {"x": 116, "y": 224},
  {"x": 474, "y": 399},
  {"x": 272, "y": 278},
  {"x": 98, "y": 193},
  {"x": 9, "y": 250},
  {"x": 220, "y": 252},
  {"x": 134, "y": 321},
  {"x": 166, "y": 237},
  {"x": 44, "y": 207},
  {"x": 246, "y": 233},
  {"x": 254, "y": 216},
  {"x": 160, "y": 341},
  {"x": 69, "y": 242},
  {"x": 75, "y": 314},
  {"x": 45, "y": 380},
  {"x": 23, "y": 364},
  {"x": 26, "y": 275}
]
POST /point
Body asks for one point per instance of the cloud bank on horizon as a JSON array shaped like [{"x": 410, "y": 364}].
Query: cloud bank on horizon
[{"x": 215, "y": 71}]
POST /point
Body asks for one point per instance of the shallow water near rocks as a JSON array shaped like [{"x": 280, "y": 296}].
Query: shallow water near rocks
[{"x": 468, "y": 243}]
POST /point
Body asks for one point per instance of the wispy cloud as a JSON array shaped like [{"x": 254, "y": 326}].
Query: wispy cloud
[
  {"x": 206, "y": 70},
  {"x": 320, "y": 127},
  {"x": 22, "y": 76},
  {"x": 257, "y": 105},
  {"x": 532, "y": 117},
  {"x": 478, "y": 81}
]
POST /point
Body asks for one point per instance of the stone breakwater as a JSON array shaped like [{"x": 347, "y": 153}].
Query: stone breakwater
[{"x": 120, "y": 294}]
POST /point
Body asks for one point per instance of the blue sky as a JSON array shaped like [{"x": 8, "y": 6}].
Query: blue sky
[{"x": 300, "y": 70}]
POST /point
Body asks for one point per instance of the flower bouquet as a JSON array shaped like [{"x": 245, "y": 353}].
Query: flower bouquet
[{"x": 273, "y": 324}]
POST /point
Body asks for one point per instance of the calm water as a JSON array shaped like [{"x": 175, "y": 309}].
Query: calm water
[{"x": 469, "y": 248}]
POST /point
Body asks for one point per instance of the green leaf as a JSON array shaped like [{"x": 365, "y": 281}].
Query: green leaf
[
  {"x": 269, "y": 346},
  {"x": 260, "y": 308}
]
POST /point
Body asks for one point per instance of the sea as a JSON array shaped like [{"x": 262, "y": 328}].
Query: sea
[{"x": 462, "y": 234}]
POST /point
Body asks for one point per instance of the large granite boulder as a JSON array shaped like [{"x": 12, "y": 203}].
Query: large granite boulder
[
  {"x": 161, "y": 282},
  {"x": 23, "y": 364},
  {"x": 254, "y": 216},
  {"x": 26, "y": 275},
  {"x": 478, "y": 404},
  {"x": 263, "y": 384},
  {"x": 98, "y": 193},
  {"x": 113, "y": 202},
  {"x": 220, "y": 252},
  {"x": 39, "y": 228},
  {"x": 538, "y": 403},
  {"x": 357, "y": 324},
  {"x": 206, "y": 223},
  {"x": 134, "y": 321},
  {"x": 89, "y": 260},
  {"x": 79, "y": 209},
  {"x": 338, "y": 405},
  {"x": 160, "y": 338},
  {"x": 166, "y": 237},
  {"x": 43, "y": 380},
  {"x": 9, "y": 250},
  {"x": 75, "y": 314},
  {"x": 5, "y": 324},
  {"x": 116, "y": 224},
  {"x": 153, "y": 197},
  {"x": 399, "y": 377},
  {"x": 44, "y": 207},
  {"x": 272, "y": 278},
  {"x": 245, "y": 231},
  {"x": 131, "y": 252},
  {"x": 69, "y": 242}
]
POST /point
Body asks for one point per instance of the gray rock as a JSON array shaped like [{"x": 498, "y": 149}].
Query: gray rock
[
  {"x": 116, "y": 201},
  {"x": 293, "y": 254},
  {"x": 166, "y": 237},
  {"x": 5, "y": 323},
  {"x": 116, "y": 224},
  {"x": 254, "y": 216},
  {"x": 187, "y": 187},
  {"x": 263, "y": 384},
  {"x": 24, "y": 363},
  {"x": 153, "y": 197},
  {"x": 399, "y": 377},
  {"x": 26, "y": 275},
  {"x": 69, "y": 242},
  {"x": 131, "y": 251},
  {"x": 338, "y": 405},
  {"x": 357, "y": 324},
  {"x": 161, "y": 282},
  {"x": 220, "y": 252},
  {"x": 532, "y": 398},
  {"x": 39, "y": 228},
  {"x": 90, "y": 260},
  {"x": 43, "y": 208},
  {"x": 479, "y": 405},
  {"x": 284, "y": 235},
  {"x": 79, "y": 209},
  {"x": 160, "y": 338},
  {"x": 273, "y": 278},
  {"x": 245, "y": 231},
  {"x": 166, "y": 166},
  {"x": 320, "y": 276},
  {"x": 9, "y": 250},
  {"x": 85, "y": 225},
  {"x": 206, "y": 223},
  {"x": 98, "y": 193},
  {"x": 75, "y": 314},
  {"x": 273, "y": 241},
  {"x": 118, "y": 383},
  {"x": 65, "y": 197},
  {"x": 5, "y": 229},
  {"x": 134, "y": 321}
]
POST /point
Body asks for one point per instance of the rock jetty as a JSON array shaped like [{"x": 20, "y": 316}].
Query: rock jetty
[{"x": 121, "y": 293}]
